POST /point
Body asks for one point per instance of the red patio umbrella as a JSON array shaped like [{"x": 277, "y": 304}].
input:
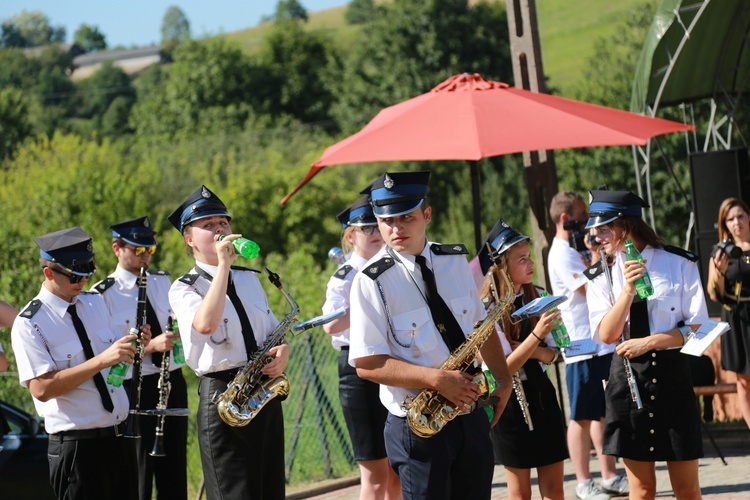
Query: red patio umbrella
[{"x": 469, "y": 118}]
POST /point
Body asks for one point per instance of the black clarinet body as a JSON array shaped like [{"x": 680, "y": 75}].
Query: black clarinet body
[{"x": 133, "y": 429}]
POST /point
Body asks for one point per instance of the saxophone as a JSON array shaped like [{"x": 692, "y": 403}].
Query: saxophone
[
  {"x": 251, "y": 390},
  {"x": 429, "y": 412}
]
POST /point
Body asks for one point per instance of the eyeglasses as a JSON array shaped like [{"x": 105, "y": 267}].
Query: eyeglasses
[
  {"x": 74, "y": 278},
  {"x": 368, "y": 230},
  {"x": 138, "y": 251}
]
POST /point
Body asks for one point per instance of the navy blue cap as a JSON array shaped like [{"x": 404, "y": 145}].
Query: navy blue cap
[
  {"x": 200, "y": 204},
  {"x": 500, "y": 239},
  {"x": 70, "y": 249},
  {"x": 137, "y": 232},
  {"x": 606, "y": 206},
  {"x": 398, "y": 193},
  {"x": 358, "y": 214}
]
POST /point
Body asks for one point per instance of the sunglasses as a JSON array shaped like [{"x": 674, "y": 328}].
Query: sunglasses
[
  {"x": 74, "y": 278},
  {"x": 368, "y": 230},
  {"x": 138, "y": 251}
]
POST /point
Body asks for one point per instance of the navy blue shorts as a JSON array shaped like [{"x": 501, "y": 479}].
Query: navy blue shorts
[{"x": 585, "y": 388}]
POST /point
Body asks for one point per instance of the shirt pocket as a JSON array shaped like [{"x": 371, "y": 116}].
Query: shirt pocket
[
  {"x": 462, "y": 307},
  {"x": 668, "y": 311},
  {"x": 412, "y": 329},
  {"x": 64, "y": 354}
]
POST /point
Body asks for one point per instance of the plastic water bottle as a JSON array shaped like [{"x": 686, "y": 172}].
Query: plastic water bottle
[
  {"x": 490, "y": 410},
  {"x": 643, "y": 284},
  {"x": 117, "y": 373},
  {"x": 247, "y": 248},
  {"x": 559, "y": 333},
  {"x": 178, "y": 353}
]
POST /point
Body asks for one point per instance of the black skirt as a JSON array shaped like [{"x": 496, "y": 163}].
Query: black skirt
[
  {"x": 735, "y": 344},
  {"x": 668, "y": 426},
  {"x": 515, "y": 446}
]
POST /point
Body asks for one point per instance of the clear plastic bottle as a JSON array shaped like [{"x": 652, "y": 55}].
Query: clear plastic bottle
[
  {"x": 559, "y": 333},
  {"x": 117, "y": 373},
  {"x": 643, "y": 284},
  {"x": 178, "y": 353},
  {"x": 244, "y": 247}
]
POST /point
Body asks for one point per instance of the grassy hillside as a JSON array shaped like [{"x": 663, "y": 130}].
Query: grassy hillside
[{"x": 568, "y": 32}]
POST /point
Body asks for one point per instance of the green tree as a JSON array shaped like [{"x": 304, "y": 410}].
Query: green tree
[
  {"x": 89, "y": 38},
  {"x": 290, "y": 9},
  {"x": 14, "y": 123},
  {"x": 360, "y": 11},
  {"x": 30, "y": 29},
  {"x": 175, "y": 29}
]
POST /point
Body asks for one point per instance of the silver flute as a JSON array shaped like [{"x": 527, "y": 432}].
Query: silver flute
[
  {"x": 635, "y": 394},
  {"x": 522, "y": 401}
]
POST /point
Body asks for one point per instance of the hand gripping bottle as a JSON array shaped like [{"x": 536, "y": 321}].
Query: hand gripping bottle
[
  {"x": 643, "y": 284},
  {"x": 117, "y": 372},
  {"x": 178, "y": 353},
  {"x": 247, "y": 248},
  {"x": 559, "y": 333}
]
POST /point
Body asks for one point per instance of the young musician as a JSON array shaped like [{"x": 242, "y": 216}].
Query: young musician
[
  {"x": 65, "y": 343},
  {"x": 133, "y": 243},
  {"x": 667, "y": 427},
  {"x": 224, "y": 317},
  {"x": 529, "y": 348},
  {"x": 364, "y": 414},
  {"x": 399, "y": 338}
]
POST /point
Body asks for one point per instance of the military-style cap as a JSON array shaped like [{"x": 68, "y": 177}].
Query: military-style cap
[
  {"x": 358, "y": 214},
  {"x": 70, "y": 249},
  {"x": 606, "y": 206},
  {"x": 200, "y": 204},
  {"x": 398, "y": 193},
  {"x": 137, "y": 232},
  {"x": 500, "y": 239}
]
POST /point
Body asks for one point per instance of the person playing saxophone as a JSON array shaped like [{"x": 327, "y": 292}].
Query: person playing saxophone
[
  {"x": 224, "y": 317},
  {"x": 134, "y": 244},
  {"x": 411, "y": 305}
]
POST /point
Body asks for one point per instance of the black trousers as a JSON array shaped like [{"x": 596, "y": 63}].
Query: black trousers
[
  {"x": 240, "y": 462},
  {"x": 168, "y": 473},
  {"x": 454, "y": 464},
  {"x": 102, "y": 468}
]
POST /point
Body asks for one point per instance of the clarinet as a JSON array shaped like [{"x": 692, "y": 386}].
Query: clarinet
[
  {"x": 635, "y": 394},
  {"x": 133, "y": 429},
  {"x": 522, "y": 401},
  {"x": 164, "y": 386}
]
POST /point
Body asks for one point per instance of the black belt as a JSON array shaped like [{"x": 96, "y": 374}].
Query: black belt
[
  {"x": 101, "y": 432},
  {"x": 224, "y": 375},
  {"x": 344, "y": 347}
]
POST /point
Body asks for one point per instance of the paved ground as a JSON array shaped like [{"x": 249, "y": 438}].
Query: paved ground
[{"x": 718, "y": 481}]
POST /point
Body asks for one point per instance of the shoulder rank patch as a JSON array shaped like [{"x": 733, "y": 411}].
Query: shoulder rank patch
[
  {"x": 104, "y": 285},
  {"x": 681, "y": 252},
  {"x": 158, "y": 273},
  {"x": 31, "y": 309},
  {"x": 453, "y": 249},
  {"x": 594, "y": 271},
  {"x": 379, "y": 267},
  {"x": 240, "y": 268},
  {"x": 342, "y": 271},
  {"x": 189, "y": 278}
]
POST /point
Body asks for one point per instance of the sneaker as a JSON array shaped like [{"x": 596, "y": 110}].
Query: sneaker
[
  {"x": 588, "y": 490},
  {"x": 617, "y": 485}
]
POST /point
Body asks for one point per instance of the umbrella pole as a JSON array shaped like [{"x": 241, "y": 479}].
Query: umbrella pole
[{"x": 474, "y": 172}]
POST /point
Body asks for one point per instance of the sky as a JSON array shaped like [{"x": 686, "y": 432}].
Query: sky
[{"x": 138, "y": 22}]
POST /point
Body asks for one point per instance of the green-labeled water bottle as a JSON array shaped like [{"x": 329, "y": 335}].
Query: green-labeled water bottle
[
  {"x": 643, "y": 284},
  {"x": 117, "y": 373},
  {"x": 559, "y": 333},
  {"x": 490, "y": 410},
  {"x": 178, "y": 353},
  {"x": 247, "y": 248}
]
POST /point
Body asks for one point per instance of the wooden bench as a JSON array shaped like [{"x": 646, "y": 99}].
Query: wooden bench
[{"x": 719, "y": 388}]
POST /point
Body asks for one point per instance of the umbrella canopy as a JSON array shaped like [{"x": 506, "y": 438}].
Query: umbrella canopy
[{"x": 469, "y": 118}]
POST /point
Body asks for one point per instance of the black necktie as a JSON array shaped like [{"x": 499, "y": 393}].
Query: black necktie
[
  {"x": 101, "y": 385},
  {"x": 443, "y": 317},
  {"x": 153, "y": 322},
  {"x": 639, "y": 319},
  {"x": 247, "y": 329}
]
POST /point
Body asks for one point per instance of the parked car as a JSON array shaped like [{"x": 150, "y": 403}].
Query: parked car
[{"x": 24, "y": 473}]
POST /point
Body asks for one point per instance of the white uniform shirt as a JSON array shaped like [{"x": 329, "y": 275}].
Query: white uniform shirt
[
  {"x": 225, "y": 348},
  {"x": 122, "y": 301},
  {"x": 410, "y": 335},
  {"x": 337, "y": 297},
  {"x": 678, "y": 293},
  {"x": 81, "y": 407},
  {"x": 566, "y": 276}
]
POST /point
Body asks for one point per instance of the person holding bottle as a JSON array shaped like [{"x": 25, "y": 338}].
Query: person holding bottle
[
  {"x": 134, "y": 244},
  {"x": 648, "y": 369},
  {"x": 729, "y": 284},
  {"x": 224, "y": 318},
  {"x": 529, "y": 348},
  {"x": 364, "y": 414},
  {"x": 65, "y": 343}
]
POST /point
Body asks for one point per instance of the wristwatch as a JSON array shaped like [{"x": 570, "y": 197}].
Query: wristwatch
[{"x": 686, "y": 333}]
